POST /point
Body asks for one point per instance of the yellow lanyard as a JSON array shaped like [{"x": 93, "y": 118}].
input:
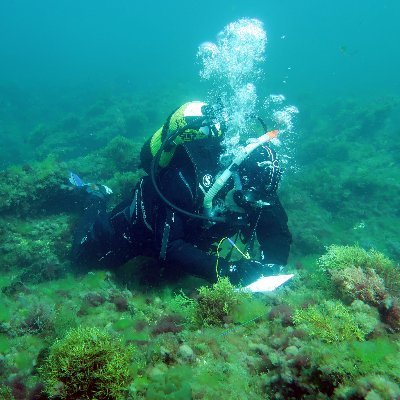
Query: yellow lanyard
[{"x": 246, "y": 256}]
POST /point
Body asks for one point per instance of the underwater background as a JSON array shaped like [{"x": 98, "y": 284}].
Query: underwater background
[{"x": 82, "y": 86}]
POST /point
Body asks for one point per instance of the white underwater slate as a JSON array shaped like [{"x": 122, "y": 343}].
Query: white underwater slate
[{"x": 267, "y": 283}]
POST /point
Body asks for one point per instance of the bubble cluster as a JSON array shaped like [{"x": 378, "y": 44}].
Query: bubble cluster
[
  {"x": 280, "y": 114},
  {"x": 236, "y": 53},
  {"x": 281, "y": 117},
  {"x": 232, "y": 67}
]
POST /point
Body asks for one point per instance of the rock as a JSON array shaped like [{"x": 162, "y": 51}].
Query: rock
[{"x": 186, "y": 353}]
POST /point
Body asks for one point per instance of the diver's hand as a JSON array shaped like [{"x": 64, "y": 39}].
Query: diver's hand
[
  {"x": 247, "y": 271},
  {"x": 91, "y": 190},
  {"x": 273, "y": 269},
  {"x": 99, "y": 190},
  {"x": 242, "y": 271}
]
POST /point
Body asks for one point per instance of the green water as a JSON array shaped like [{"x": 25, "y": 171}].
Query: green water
[{"x": 83, "y": 84}]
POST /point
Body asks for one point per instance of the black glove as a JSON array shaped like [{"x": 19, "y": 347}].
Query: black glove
[
  {"x": 272, "y": 269},
  {"x": 247, "y": 271},
  {"x": 97, "y": 190},
  {"x": 90, "y": 192}
]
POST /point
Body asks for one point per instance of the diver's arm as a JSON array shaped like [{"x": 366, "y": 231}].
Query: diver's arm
[
  {"x": 180, "y": 254},
  {"x": 193, "y": 260},
  {"x": 273, "y": 234},
  {"x": 179, "y": 188},
  {"x": 99, "y": 238}
]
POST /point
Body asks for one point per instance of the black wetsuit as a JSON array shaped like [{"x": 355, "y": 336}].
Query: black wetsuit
[{"x": 145, "y": 225}]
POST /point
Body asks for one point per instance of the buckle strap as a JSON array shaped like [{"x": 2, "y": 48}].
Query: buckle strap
[{"x": 164, "y": 241}]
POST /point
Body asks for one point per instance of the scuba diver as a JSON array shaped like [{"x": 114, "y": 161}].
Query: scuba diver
[{"x": 187, "y": 203}]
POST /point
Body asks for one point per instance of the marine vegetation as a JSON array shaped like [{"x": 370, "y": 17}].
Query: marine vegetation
[
  {"x": 5, "y": 393},
  {"x": 331, "y": 321},
  {"x": 365, "y": 275},
  {"x": 214, "y": 305},
  {"x": 332, "y": 333},
  {"x": 87, "y": 364},
  {"x": 373, "y": 264}
]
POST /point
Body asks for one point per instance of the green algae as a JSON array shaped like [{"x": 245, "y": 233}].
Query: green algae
[
  {"x": 87, "y": 363},
  {"x": 330, "y": 321},
  {"x": 4, "y": 343},
  {"x": 245, "y": 353}
]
